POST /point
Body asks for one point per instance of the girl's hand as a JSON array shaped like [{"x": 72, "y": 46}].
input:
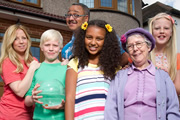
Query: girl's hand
[
  {"x": 35, "y": 93},
  {"x": 61, "y": 106}
]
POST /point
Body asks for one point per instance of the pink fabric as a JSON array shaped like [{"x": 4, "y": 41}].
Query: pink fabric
[
  {"x": 12, "y": 107},
  {"x": 88, "y": 110}
]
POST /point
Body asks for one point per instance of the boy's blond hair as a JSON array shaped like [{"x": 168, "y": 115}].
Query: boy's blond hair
[{"x": 51, "y": 34}]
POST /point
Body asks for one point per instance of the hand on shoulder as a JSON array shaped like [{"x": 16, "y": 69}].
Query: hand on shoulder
[{"x": 34, "y": 65}]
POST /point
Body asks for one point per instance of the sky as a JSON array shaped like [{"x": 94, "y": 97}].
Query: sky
[{"x": 173, "y": 3}]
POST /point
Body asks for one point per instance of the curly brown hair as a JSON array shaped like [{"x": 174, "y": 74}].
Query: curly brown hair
[{"x": 110, "y": 55}]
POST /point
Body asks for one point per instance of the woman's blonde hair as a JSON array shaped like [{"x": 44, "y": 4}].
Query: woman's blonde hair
[
  {"x": 7, "y": 50},
  {"x": 170, "y": 49}
]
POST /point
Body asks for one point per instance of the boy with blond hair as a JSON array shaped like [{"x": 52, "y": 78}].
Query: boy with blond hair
[{"x": 51, "y": 44}]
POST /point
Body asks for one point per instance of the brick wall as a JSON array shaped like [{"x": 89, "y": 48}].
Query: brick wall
[{"x": 35, "y": 31}]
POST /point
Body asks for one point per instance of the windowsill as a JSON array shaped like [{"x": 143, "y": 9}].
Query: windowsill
[{"x": 28, "y": 4}]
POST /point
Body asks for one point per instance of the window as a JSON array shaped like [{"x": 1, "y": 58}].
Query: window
[
  {"x": 133, "y": 7},
  {"x": 106, "y": 3},
  {"x": 35, "y": 3},
  {"x": 89, "y": 3},
  {"x": 32, "y": 1},
  {"x": 126, "y": 6},
  {"x": 1, "y": 34},
  {"x": 36, "y": 52},
  {"x": 122, "y": 5}
]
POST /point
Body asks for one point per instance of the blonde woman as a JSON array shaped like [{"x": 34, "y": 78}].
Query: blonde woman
[
  {"x": 17, "y": 67},
  {"x": 164, "y": 55}
]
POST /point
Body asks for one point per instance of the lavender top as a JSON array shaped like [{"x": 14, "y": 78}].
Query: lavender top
[
  {"x": 140, "y": 94},
  {"x": 166, "y": 101}
]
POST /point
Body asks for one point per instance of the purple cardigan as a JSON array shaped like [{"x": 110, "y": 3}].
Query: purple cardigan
[{"x": 167, "y": 103}]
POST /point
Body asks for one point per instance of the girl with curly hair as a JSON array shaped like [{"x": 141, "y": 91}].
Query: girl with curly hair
[{"x": 95, "y": 62}]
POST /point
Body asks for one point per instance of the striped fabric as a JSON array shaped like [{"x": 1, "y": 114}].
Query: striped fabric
[{"x": 91, "y": 94}]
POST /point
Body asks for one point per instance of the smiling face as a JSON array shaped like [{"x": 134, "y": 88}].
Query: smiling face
[
  {"x": 162, "y": 31},
  {"x": 20, "y": 43},
  {"x": 51, "y": 50},
  {"x": 74, "y": 23},
  {"x": 139, "y": 55},
  {"x": 94, "y": 40}
]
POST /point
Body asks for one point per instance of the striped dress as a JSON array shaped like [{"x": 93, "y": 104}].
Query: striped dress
[{"x": 91, "y": 92}]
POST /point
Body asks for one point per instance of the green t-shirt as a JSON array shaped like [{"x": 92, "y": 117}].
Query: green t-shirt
[{"x": 48, "y": 72}]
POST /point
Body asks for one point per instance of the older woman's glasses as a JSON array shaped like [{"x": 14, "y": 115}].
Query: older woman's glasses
[
  {"x": 75, "y": 16},
  {"x": 137, "y": 44}
]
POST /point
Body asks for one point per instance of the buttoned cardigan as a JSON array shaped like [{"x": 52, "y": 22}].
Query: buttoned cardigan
[{"x": 167, "y": 104}]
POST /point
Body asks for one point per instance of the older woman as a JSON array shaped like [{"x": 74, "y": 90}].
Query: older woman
[{"x": 141, "y": 91}]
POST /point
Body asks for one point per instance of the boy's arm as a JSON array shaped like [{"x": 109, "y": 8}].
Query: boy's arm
[
  {"x": 31, "y": 97},
  {"x": 71, "y": 79}
]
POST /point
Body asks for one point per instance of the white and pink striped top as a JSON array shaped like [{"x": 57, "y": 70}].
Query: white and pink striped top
[{"x": 91, "y": 92}]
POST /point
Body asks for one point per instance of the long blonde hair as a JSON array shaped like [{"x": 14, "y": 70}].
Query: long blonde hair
[
  {"x": 170, "y": 49},
  {"x": 7, "y": 50}
]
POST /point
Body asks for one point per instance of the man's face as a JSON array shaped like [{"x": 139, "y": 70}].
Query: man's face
[{"x": 74, "y": 23}]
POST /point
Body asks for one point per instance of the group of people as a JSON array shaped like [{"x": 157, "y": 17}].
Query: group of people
[{"x": 106, "y": 77}]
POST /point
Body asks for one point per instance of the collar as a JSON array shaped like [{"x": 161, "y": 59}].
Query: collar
[
  {"x": 73, "y": 38},
  {"x": 150, "y": 68}
]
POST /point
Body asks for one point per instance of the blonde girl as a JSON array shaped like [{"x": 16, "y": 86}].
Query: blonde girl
[{"x": 164, "y": 55}]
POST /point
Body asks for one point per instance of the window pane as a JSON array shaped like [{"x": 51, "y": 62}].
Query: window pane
[
  {"x": 1, "y": 34},
  {"x": 35, "y": 39},
  {"x": 122, "y": 5},
  {"x": 32, "y": 1},
  {"x": 89, "y": 3},
  {"x": 36, "y": 52},
  {"x": 106, "y": 3},
  {"x": 133, "y": 7},
  {"x": 19, "y": 0}
]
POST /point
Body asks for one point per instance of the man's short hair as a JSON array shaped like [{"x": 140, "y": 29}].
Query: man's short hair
[{"x": 85, "y": 9}]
